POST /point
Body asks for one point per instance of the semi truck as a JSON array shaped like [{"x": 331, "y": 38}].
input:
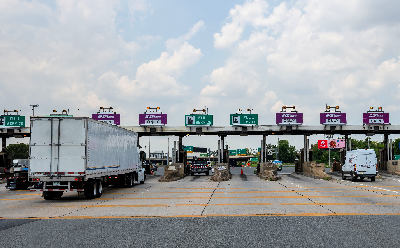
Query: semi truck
[
  {"x": 200, "y": 166},
  {"x": 360, "y": 163},
  {"x": 81, "y": 154}
]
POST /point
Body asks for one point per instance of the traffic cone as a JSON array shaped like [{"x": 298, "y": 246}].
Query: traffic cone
[
  {"x": 151, "y": 172},
  {"x": 242, "y": 172}
]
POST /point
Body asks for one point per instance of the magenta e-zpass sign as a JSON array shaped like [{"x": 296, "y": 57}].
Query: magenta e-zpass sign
[
  {"x": 289, "y": 118},
  {"x": 153, "y": 119},
  {"x": 109, "y": 118},
  {"x": 376, "y": 118},
  {"x": 333, "y": 118}
]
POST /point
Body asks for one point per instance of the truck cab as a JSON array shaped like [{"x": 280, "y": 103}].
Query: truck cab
[{"x": 360, "y": 163}]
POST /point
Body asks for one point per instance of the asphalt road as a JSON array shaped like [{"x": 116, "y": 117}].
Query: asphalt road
[
  {"x": 339, "y": 231},
  {"x": 296, "y": 211}
]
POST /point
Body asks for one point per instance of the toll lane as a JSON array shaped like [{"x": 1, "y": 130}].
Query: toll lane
[{"x": 198, "y": 196}]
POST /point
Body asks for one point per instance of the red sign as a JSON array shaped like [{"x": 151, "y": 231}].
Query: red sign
[{"x": 322, "y": 144}]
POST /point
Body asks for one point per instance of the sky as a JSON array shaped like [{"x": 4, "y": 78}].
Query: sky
[{"x": 181, "y": 55}]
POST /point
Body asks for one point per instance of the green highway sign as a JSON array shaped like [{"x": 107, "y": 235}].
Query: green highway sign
[
  {"x": 243, "y": 119},
  {"x": 189, "y": 149},
  {"x": 254, "y": 159},
  {"x": 241, "y": 152},
  {"x": 198, "y": 120},
  {"x": 233, "y": 152},
  {"x": 12, "y": 121},
  {"x": 204, "y": 155}
]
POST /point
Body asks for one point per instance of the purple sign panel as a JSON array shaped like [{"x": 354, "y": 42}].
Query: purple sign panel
[
  {"x": 333, "y": 118},
  {"x": 289, "y": 118},
  {"x": 152, "y": 119},
  {"x": 376, "y": 118},
  {"x": 109, "y": 118}
]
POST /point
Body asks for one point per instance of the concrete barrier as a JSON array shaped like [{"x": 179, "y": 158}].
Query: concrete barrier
[
  {"x": 315, "y": 169},
  {"x": 268, "y": 171},
  {"x": 221, "y": 172},
  {"x": 173, "y": 172},
  {"x": 393, "y": 166}
]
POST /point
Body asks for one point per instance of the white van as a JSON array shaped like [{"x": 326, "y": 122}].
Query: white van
[{"x": 360, "y": 163}]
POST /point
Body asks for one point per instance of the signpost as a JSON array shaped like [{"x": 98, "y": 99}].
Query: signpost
[
  {"x": 12, "y": 121},
  {"x": 152, "y": 119},
  {"x": 333, "y": 118},
  {"x": 198, "y": 120},
  {"x": 376, "y": 118},
  {"x": 289, "y": 118},
  {"x": 243, "y": 119},
  {"x": 108, "y": 118}
]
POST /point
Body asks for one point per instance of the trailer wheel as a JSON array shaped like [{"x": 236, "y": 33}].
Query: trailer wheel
[
  {"x": 128, "y": 180},
  {"x": 48, "y": 195},
  {"x": 99, "y": 188},
  {"x": 90, "y": 190}
]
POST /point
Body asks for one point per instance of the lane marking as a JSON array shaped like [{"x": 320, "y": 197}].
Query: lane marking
[
  {"x": 205, "y": 216},
  {"x": 340, "y": 204},
  {"x": 30, "y": 199},
  {"x": 222, "y": 192},
  {"x": 236, "y": 197},
  {"x": 226, "y": 204}
]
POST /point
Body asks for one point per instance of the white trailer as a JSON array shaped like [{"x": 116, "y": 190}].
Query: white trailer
[
  {"x": 82, "y": 154},
  {"x": 360, "y": 163}
]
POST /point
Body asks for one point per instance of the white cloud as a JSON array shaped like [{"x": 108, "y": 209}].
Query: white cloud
[
  {"x": 174, "y": 44},
  {"x": 251, "y": 12},
  {"x": 158, "y": 77},
  {"x": 308, "y": 54}
]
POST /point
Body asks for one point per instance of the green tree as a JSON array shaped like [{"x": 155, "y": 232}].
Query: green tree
[
  {"x": 19, "y": 151},
  {"x": 396, "y": 146},
  {"x": 286, "y": 153}
]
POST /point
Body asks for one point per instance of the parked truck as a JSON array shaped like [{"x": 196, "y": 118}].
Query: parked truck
[
  {"x": 360, "y": 163},
  {"x": 81, "y": 154}
]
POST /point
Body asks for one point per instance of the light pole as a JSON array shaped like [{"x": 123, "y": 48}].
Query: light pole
[
  {"x": 33, "y": 108},
  {"x": 329, "y": 137}
]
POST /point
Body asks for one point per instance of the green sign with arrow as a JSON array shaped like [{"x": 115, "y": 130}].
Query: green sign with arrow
[{"x": 198, "y": 120}]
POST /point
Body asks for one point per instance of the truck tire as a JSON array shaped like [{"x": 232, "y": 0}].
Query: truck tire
[
  {"x": 353, "y": 178},
  {"x": 99, "y": 188},
  {"x": 90, "y": 190},
  {"x": 192, "y": 174},
  {"x": 362, "y": 178},
  {"x": 373, "y": 179},
  {"x": 51, "y": 195},
  {"x": 342, "y": 175},
  {"x": 48, "y": 195},
  {"x": 207, "y": 173},
  {"x": 129, "y": 180}
]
